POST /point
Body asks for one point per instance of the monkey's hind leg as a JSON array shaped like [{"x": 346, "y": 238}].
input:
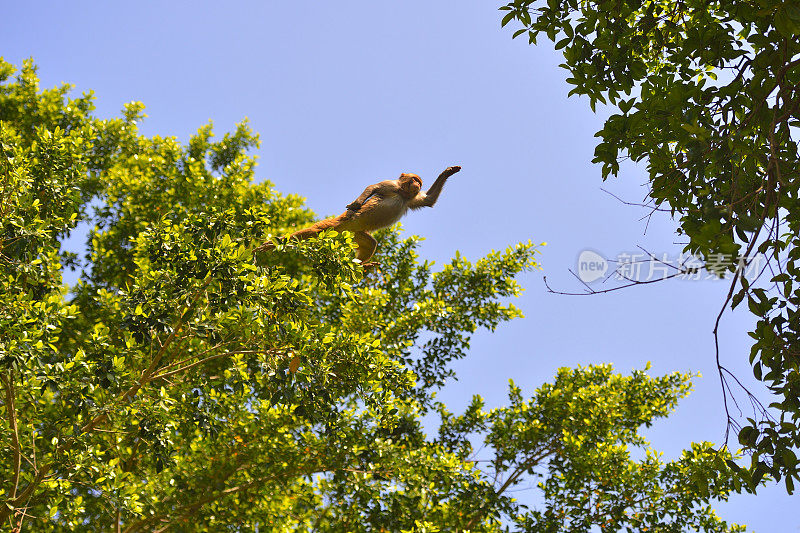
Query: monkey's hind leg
[{"x": 366, "y": 247}]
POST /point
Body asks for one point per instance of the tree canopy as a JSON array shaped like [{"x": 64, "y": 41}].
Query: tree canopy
[
  {"x": 708, "y": 94},
  {"x": 184, "y": 384}
]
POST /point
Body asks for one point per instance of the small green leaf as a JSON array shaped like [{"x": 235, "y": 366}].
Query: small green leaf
[{"x": 562, "y": 43}]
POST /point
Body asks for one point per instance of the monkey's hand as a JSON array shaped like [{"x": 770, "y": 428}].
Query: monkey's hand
[
  {"x": 354, "y": 206},
  {"x": 449, "y": 171}
]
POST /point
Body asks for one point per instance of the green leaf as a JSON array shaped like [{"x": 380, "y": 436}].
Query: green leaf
[
  {"x": 562, "y": 43},
  {"x": 785, "y": 24},
  {"x": 737, "y": 298},
  {"x": 758, "y": 473}
]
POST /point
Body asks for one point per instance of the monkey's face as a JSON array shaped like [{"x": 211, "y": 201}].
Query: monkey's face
[{"x": 411, "y": 184}]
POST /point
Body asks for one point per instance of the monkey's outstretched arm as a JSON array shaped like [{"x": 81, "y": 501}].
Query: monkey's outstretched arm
[{"x": 428, "y": 198}]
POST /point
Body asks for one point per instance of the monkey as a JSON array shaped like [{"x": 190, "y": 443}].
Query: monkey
[{"x": 379, "y": 206}]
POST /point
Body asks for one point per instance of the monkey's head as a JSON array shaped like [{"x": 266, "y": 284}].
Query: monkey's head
[{"x": 411, "y": 184}]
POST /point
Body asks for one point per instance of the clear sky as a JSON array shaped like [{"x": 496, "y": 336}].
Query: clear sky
[{"x": 346, "y": 93}]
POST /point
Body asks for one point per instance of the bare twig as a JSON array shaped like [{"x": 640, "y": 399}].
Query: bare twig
[
  {"x": 636, "y": 204},
  {"x": 591, "y": 292}
]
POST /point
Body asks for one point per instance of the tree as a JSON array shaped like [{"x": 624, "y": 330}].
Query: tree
[
  {"x": 183, "y": 384},
  {"x": 708, "y": 95}
]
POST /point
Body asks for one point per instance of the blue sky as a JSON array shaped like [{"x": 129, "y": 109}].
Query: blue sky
[{"x": 346, "y": 93}]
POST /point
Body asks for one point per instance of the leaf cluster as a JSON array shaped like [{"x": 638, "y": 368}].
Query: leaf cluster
[
  {"x": 186, "y": 383},
  {"x": 708, "y": 96}
]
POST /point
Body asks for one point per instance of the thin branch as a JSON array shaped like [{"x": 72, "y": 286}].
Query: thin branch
[
  {"x": 510, "y": 480},
  {"x": 8, "y": 384},
  {"x": 591, "y": 292},
  {"x": 207, "y": 359},
  {"x": 715, "y": 331},
  {"x": 200, "y": 354},
  {"x": 636, "y": 204}
]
